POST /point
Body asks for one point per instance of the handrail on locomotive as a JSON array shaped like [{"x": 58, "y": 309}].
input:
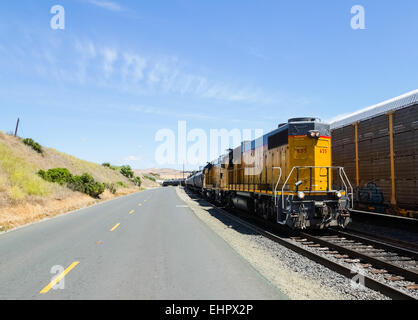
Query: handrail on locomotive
[{"x": 341, "y": 173}]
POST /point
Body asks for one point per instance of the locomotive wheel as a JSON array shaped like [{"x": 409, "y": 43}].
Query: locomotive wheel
[{"x": 266, "y": 212}]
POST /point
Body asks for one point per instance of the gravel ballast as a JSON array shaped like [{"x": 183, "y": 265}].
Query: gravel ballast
[{"x": 297, "y": 276}]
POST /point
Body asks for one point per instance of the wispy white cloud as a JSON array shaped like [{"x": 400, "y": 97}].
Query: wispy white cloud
[
  {"x": 133, "y": 67},
  {"x": 169, "y": 112},
  {"x": 166, "y": 75},
  {"x": 109, "y": 58},
  {"x": 86, "y": 52},
  {"x": 139, "y": 74},
  {"x": 108, "y": 5}
]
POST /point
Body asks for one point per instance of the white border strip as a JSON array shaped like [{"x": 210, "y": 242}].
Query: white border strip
[{"x": 400, "y": 102}]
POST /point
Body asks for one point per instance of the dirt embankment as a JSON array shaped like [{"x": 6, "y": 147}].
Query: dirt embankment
[{"x": 25, "y": 197}]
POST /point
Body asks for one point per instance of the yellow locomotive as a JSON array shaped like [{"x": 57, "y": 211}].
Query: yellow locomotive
[{"x": 285, "y": 176}]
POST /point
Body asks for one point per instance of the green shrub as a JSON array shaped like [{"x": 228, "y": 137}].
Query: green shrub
[
  {"x": 84, "y": 183},
  {"x": 150, "y": 178},
  {"x": 95, "y": 189},
  {"x": 77, "y": 184},
  {"x": 137, "y": 181},
  {"x": 127, "y": 172},
  {"x": 58, "y": 175},
  {"x": 34, "y": 145},
  {"x": 106, "y": 164}
]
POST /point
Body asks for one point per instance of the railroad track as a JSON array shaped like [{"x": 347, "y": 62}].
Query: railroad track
[
  {"x": 413, "y": 246},
  {"x": 394, "y": 265},
  {"x": 390, "y": 270}
]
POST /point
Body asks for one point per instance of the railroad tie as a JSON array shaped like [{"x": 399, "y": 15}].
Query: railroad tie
[
  {"x": 395, "y": 278},
  {"x": 314, "y": 245},
  {"x": 308, "y": 243},
  {"x": 352, "y": 260},
  {"x": 331, "y": 252},
  {"x": 379, "y": 271},
  {"x": 412, "y": 287},
  {"x": 340, "y": 256}
]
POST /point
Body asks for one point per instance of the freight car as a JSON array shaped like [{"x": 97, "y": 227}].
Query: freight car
[
  {"x": 174, "y": 183},
  {"x": 195, "y": 181},
  {"x": 285, "y": 176},
  {"x": 378, "y": 147}
]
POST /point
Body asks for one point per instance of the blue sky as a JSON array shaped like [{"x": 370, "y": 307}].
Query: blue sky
[{"x": 122, "y": 70}]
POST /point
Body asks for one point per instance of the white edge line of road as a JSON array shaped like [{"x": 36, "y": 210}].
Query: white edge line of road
[{"x": 73, "y": 211}]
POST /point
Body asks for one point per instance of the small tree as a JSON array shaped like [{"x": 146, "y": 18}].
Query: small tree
[
  {"x": 127, "y": 172},
  {"x": 137, "y": 181}
]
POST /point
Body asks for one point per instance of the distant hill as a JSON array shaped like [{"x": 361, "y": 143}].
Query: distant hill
[
  {"x": 26, "y": 197},
  {"x": 163, "y": 174}
]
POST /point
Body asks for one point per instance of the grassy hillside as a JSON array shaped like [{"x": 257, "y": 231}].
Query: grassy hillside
[{"x": 23, "y": 190}]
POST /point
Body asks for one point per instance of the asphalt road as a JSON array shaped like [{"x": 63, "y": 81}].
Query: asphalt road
[{"x": 147, "y": 245}]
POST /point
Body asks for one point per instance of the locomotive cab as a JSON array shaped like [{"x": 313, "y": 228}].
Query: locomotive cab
[{"x": 314, "y": 194}]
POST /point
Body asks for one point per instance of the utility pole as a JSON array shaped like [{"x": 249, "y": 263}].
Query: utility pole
[{"x": 17, "y": 126}]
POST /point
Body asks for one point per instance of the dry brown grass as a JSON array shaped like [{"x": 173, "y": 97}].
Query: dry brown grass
[
  {"x": 32, "y": 211},
  {"x": 25, "y": 197}
]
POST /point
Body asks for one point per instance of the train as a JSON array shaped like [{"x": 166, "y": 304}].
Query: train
[
  {"x": 174, "y": 183},
  {"x": 285, "y": 176},
  {"x": 378, "y": 147}
]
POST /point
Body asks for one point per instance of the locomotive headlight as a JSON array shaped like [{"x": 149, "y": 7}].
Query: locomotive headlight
[
  {"x": 315, "y": 134},
  {"x": 301, "y": 195},
  {"x": 339, "y": 194}
]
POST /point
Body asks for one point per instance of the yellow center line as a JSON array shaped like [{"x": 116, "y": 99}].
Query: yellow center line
[
  {"x": 132, "y": 211},
  {"x": 116, "y": 225},
  {"x": 59, "y": 278}
]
